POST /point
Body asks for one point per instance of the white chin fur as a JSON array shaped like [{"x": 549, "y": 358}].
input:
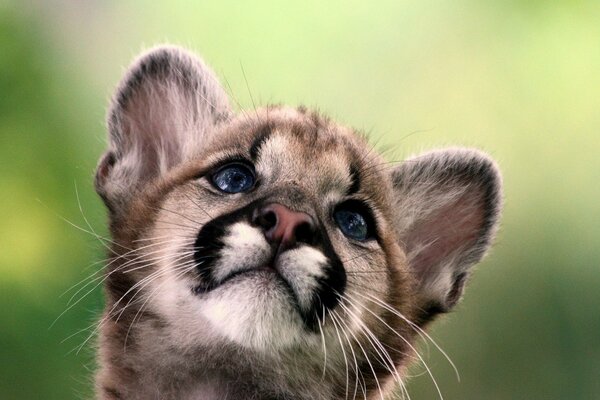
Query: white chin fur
[{"x": 255, "y": 311}]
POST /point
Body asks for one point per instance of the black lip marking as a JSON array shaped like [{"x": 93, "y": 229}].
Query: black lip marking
[
  {"x": 331, "y": 286},
  {"x": 209, "y": 244}
]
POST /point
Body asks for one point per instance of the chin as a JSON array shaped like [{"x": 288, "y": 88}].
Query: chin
[{"x": 255, "y": 310}]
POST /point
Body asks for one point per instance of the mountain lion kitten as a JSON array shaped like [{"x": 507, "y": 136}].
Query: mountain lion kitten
[{"x": 271, "y": 254}]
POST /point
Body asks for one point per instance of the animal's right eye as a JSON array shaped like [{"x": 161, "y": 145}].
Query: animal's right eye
[
  {"x": 352, "y": 224},
  {"x": 355, "y": 220},
  {"x": 234, "y": 178}
]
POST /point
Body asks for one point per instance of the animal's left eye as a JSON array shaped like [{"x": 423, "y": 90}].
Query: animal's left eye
[
  {"x": 352, "y": 223},
  {"x": 234, "y": 178}
]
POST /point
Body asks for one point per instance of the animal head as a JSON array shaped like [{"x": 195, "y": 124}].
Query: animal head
[{"x": 275, "y": 239}]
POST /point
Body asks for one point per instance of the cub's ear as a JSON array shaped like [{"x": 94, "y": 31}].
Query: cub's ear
[
  {"x": 162, "y": 112},
  {"x": 448, "y": 204}
]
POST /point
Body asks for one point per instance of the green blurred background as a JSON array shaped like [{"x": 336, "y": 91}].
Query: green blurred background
[{"x": 520, "y": 79}]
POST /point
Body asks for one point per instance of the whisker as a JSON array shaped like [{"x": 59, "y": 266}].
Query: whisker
[
  {"x": 179, "y": 214},
  {"x": 344, "y": 354},
  {"x": 248, "y": 87},
  {"x": 190, "y": 198},
  {"x": 111, "y": 313},
  {"x": 377, "y": 346},
  {"x": 421, "y": 332},
  {"x": 356, "y": 370},
  {"x": 366, "y": 357},
  {"x": 374, "y": 341},
  {"x": 102, "y": 239},
  {"x": 112, "y": 261},
  {"x": 137, "y": 260},
  {"x": 411, "y": 347},
  {"x": 181, "y": 270},
  {"x": 323, "y": 341}
]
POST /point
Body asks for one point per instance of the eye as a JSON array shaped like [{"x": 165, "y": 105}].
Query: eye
[
  {"x": 352, "y": 223},
  {"x": 234, "y": 178}
]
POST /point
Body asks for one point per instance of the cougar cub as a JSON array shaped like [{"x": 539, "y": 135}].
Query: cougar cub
[{"x": 271, "y": 254}]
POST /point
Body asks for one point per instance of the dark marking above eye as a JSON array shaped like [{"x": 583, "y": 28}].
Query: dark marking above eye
[
  {"x": 261, "y": 137},
  {"x": 355, "y": 180}
]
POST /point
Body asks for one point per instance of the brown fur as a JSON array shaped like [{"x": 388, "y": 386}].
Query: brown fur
[{"x": 169, "y": 126}]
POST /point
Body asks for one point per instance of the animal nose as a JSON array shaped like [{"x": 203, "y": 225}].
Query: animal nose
[{"x": 284, "y": 226}]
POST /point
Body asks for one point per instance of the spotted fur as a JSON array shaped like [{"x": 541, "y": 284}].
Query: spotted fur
[{"x": 199, "y": 302}]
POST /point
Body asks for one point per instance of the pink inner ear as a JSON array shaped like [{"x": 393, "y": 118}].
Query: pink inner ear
[
  {"x": 151, "y": 122},
  {"x": 445, "y": 233}
]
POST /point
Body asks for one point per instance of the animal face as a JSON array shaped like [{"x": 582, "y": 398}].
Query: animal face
[
  {"x": 277, "y": 241},
  {"x": 276, "y": 236}
]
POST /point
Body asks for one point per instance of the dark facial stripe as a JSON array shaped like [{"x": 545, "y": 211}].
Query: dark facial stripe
[
  {"x": 209, "y": 243},
  {"x": 262, "y": 136},
  {"x": 330, "y": 288},
  {"x": 355, "y": 178}
]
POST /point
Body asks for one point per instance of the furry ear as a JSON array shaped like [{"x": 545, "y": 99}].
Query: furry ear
[
  {"x": 448, "y": 204},
  {"x": 162, "y": 113}
]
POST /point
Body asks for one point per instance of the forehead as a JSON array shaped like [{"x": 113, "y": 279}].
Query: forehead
[
  {"x": 301, "y": 147},
  {"x": 323, "y": 167}
]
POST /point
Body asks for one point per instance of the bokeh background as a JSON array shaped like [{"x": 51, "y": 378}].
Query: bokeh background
[{"x": 518, "y": 78}]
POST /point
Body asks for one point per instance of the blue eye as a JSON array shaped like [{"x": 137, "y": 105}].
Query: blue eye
[
  {"x": 352, "y": 224},
  {"x": 234, "y": 178}
]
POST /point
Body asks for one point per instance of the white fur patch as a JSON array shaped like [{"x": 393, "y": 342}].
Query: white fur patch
[
  {"x": 274, "y": 161},
  {"x": 254, "y": 311},
  {"x": 301, "y": 268},
  {"x": 244, "y": 247}
]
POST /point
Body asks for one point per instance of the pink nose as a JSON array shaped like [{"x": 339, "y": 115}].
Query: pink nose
[{"x": 285, "y": 226}]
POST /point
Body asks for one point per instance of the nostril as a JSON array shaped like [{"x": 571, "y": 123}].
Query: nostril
[
  {"x": 269, "y": 220},
  {"x": 266, "y": 219},
  {"x": 305, "y": 233}
]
